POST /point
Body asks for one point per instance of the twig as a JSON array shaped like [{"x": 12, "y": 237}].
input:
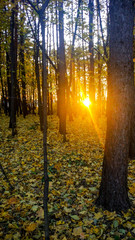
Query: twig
[{"x": 5, "y": 175}]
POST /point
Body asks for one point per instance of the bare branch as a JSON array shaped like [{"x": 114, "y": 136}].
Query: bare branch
[
  {"x": 33, "y": 6},
  {"x": 44, "y": 6},
  {"x": 37, "y": 41}
]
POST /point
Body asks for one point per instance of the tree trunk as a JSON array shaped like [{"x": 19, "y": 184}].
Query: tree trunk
[
  {"x": 72, "y": 61},
  {"x": 8, "y": 79},
  {"x": 91, "y": 52},
  {"x": 1, "y": 80},
  {"x": 6, "y": 177},
  {"x": 36, "y": 56},
  {"x": 113, "y": 193},
  {"x": 83, "y": 50},
  {"x": 13, "y": 53},
  {"x": 22, "y": 68},
  {"x": 99, "y": 109},
  {"x": 62, "y": 74},
  {"x": 44, "y": 83}
]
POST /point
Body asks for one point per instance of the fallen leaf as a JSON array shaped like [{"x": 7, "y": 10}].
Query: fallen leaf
[
  {"x": 75, "y": 217},
  {"x": 13, "y": 201},
  {"x": 77, "y": 231},
  {"x": 40, "y": 213},
  {"x": 31, "y": 227},
  {"x": 35, "y": 208},
  {"x": 98, "y": 215}
]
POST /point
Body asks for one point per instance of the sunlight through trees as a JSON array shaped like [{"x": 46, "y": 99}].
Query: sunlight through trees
[{"x": 68, "y": 65}]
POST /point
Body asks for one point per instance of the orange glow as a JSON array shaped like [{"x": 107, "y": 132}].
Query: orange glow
[{"x": 87, "y": 102}]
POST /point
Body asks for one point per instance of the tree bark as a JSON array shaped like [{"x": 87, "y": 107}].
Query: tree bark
[
  {"x": 132, "y": 136},
  {"x": 22, "y": 68},
  {"x": 44, "y": 83},
  {"x": 13, "y": 56},
  {"x": 62, "y": 74},
  {"x": 113, "y": 194},
  {"x": 91, "y": 52},
  {"x": 72, "y": 61},
  {"x": 36, "y": 57},
  {"x": 99, "y": 109}
]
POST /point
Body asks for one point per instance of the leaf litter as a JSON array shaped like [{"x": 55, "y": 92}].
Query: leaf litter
[{"x": 74, "y": 177}]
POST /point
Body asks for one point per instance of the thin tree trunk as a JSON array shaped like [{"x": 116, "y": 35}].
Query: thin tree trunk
[
  {"x": 99, "y": 71},
  {"x": 13, "y": 72},
  {"x": 36, "y": 57},
  {"x": 22, "y": 69},
  {"x": 84, "y": 67},
  {"x": 62, "y": 74},
  {"x": 44, "y": 82},
  {"x": 104, "y": 46},
  {"x": 8, "y": 78},
  {"x": 72, "y": 61},
  {"x": 91, "y": 52},
  {"x": 1, "y": 80},
  {"x": 44, "y": 87},
  {"x": 6, "y": 177}
]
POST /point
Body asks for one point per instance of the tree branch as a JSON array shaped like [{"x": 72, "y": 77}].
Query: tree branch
[
  {"x": 44, "y": 6},
  {"x": 33, "y": 6},
  {"x": 37, "y": 41},
  {"x": 104, "y": 46}
]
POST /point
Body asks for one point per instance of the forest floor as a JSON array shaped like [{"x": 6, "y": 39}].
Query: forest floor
[{"x": 74, "y": 174}]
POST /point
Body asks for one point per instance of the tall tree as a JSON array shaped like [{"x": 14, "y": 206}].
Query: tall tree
[
  {"x": 91, "y": 52},
  {"x": 22, "y": 64},
  {"x": 13, "y": 57},
  {"x": 113, "y": 194},
  {"x": 36, "y": 58},
  {"x": 41, "y": 14},
  {"x": 83, "y": 51},
  {"x": 62, "y": 74},
  {"x": 72, "y": 61},
  {"x": 99, "y": 69}
]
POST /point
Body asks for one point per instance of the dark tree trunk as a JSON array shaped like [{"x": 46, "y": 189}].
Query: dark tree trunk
[
  {"x": 91, "y": 52},
  {"x": 6, "y": 177},
  {"x": 8, "y": 79},
  {"x": 44, "y": 88},
  {"x": 57, "y": 60},
  {"x": 44, "y": 83},
  {"x": 1, "y": 80},
  {"x": 36, "y": 56},
  {"x": 72, "y": 61},
  {"x": 84, "y": 67},
  {"x": 101, "y": 27},
  {"x": 113, "y": 193},
  {"x": 22, "y": 69},
  {"x": 62, "y": 74},
  {"x": 99, "y": 72},
  {"x": 13, "y": 56}
]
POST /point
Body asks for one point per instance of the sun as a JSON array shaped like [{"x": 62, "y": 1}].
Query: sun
[{"x": 87, "y": 102}]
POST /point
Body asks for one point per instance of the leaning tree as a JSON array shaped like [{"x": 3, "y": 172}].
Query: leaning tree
[{"x": 113, "y": 194}]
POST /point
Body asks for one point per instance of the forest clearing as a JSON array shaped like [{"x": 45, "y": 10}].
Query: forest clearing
[{"x": 74, "y": 178}]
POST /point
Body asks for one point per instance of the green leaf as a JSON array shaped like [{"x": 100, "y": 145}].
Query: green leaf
[
  {"x": 123, "y": 231},
  {"x": 75, "y": 217},
  {"x": 115, "y": 223},
  {"x": 34, "y": 208}
]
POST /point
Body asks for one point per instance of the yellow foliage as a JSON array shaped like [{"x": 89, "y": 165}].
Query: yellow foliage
[{"x": 31, "y": 227}]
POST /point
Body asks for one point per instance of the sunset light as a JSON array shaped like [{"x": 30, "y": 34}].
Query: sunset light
[{"x": 87, "y": 102}]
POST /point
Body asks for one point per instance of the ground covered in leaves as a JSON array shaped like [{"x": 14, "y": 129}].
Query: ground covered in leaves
[{"x": 74, "y": 174}]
